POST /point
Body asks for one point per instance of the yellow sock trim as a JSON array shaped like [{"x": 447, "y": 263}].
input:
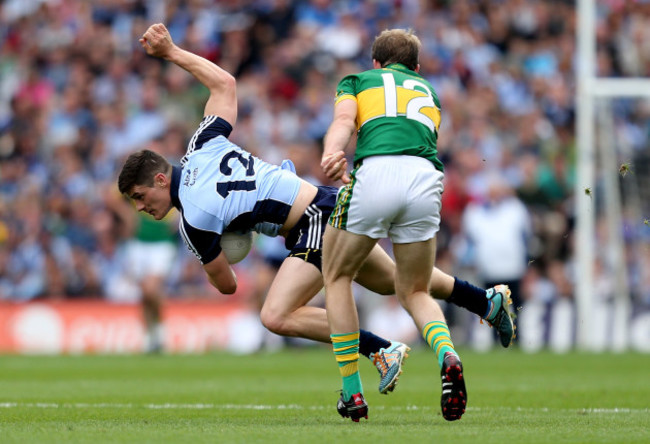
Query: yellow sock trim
[{"x": 349, "y": 369}]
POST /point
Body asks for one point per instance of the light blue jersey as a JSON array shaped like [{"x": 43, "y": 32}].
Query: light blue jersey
[{"x": 221, "y": 187}]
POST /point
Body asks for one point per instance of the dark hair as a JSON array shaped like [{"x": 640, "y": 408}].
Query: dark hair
[
  {"x": 140, "y": 169},
  {"x": 397, "y": 46}
]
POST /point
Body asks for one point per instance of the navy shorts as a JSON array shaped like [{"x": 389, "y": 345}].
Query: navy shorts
[{"x": 305, "y": 240}]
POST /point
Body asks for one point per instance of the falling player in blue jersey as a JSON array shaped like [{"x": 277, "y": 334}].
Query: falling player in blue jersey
[{"x": 221, "y": 187}]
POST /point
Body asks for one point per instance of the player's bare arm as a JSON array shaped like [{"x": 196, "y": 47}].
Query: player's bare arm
[
  {"x": 222, "y": 102},
  {"x": 221, "y": 275},
  {"x": 334, "y": 163}
]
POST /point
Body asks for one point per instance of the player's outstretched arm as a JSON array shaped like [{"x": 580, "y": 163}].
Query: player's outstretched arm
[{"x": 157, "y": 42}]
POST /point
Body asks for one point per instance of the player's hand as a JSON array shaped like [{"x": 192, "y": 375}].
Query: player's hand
[
  {"x": 335, "y": 166},
  {"x": 157, "y": 41}
]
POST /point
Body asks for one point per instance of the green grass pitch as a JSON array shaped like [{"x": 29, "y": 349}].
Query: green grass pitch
[{"x": 289, "y": 397}]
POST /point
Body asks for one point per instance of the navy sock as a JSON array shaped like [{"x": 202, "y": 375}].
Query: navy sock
[
  {"x": 371, "y": 343},
  {"x": 468, "y": 296}
]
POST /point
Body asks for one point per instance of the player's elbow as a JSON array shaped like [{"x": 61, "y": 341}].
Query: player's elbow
[
  {"x": 222, "y": 81},
  {"x": 228, "y": 80},
  {"x": 228, "y": 289},
  {"x": 224, "y": 287},
  {"x": 221, "y": 275}
]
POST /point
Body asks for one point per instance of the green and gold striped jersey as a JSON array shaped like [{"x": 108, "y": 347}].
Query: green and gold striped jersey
[{"x": 398, "y": 113}]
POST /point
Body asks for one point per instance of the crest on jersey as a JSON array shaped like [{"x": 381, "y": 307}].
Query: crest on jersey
[{"x": 190, "y": 177}]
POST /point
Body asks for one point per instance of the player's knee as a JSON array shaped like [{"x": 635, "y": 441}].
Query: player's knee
[
  {"x": 334, "y": 270},
  {"x": 411, "y": 299},
  {"x": 152, "y": 286},
  {"x": 151, "y": 298},
  {"x": 338, "y": 277},
  {"x": 274, "y": 321},
  {"x": 404, "y": 301}
]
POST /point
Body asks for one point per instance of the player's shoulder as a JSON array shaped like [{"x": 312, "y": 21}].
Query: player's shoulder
[
  {"x": 197, "y": 210},
  {"x": 362, "y": 75},
  {"x": 352, "y": 83},
  {"x": 211, "y": 128},
  {"x": 351, "y": 78}
]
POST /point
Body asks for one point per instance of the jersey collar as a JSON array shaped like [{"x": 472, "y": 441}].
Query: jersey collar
[
  {"x": 175, "y": 186},
  {"x": 400, "y": 67}
]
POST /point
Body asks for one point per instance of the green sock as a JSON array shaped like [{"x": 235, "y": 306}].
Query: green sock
[
  {"x": 346, "y": 351},
  {"x": 437, "y": 335}
]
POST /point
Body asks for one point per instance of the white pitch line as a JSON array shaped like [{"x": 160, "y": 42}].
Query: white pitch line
[{"x": 200, "y": 406}]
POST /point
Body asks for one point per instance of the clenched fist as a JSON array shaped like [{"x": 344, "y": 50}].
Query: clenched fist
[{"x": 157, "y": 41}]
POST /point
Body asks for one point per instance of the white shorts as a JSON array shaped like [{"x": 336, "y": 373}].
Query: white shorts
[
  {"x": 391, "y": 196},
  {"x": 150, "y": 258}
]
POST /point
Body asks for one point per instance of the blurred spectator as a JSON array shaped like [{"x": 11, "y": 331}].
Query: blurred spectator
[{"x": 498, "y": 230}]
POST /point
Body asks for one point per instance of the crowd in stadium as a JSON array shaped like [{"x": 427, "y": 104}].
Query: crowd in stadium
[{"x": 78, "y": 94}]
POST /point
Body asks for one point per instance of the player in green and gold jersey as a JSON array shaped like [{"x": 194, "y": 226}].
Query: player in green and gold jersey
[
  {"x": 393, "y": 191},
  {"x": 150, "y": 258}
]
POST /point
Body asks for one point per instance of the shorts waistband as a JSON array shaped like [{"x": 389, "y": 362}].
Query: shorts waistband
[{"x": 294, "y": 234}]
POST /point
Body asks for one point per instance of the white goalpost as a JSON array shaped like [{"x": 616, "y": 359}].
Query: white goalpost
[{"x": 592, "y": 100}]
